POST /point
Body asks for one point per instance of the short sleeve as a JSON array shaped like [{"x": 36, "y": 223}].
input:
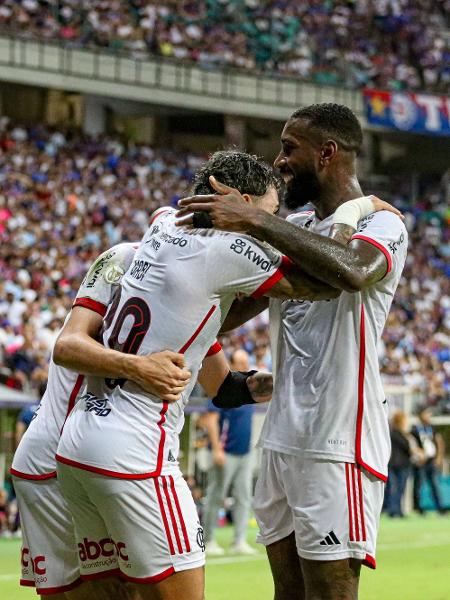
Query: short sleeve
[
  {"x": 238, "y": 264},
  {"x": 385, "y": 231},
  {"x": 103, "y": 277}
]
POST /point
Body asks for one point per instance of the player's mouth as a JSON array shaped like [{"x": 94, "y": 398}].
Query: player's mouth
[{"x": 287, "y": 175}]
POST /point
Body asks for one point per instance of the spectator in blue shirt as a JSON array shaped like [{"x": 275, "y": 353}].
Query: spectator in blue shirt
[{"x": 229, "y": 432}]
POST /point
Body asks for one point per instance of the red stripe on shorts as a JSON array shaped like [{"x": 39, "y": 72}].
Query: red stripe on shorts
[
  {"x": 180, "y": 514},
  {"x": 172, "y": 515},
  {"x": 361, "y": 504},
  {"x": 355, "y": 504},
  {"x": 349, "y": 502},
  {"x": 164, "y": 517}
]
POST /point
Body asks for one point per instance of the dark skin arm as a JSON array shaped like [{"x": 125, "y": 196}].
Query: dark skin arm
[
  {"x": 351, "y": 268},
  {"x": 244, "y": 309}
]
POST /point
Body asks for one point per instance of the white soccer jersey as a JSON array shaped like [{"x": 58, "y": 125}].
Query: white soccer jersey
[
  {"x": 328, "y": 400},
  {"x": 35, "y": 455},
  {"x": 175, "y": 296}
]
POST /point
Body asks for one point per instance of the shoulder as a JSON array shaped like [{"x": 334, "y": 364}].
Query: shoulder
[
  {"x": 384, "y": 219},
  {"x": 301, "y": 218},
  {"x": 162, "y": 211}
]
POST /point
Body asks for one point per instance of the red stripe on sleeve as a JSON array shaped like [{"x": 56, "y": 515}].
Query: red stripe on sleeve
[
  {"x": 384, "y": 250},
  {"x": 97, "y": 307},
  {"x": 215, "y": 348},
  {"x": 285, "y": 266}
]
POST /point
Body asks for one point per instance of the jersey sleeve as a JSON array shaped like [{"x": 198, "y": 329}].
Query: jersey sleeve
[
  {"x": 385, "y": 231},
  {"x": 103, "y": 277},
  {"x": 238, "y": 264}
]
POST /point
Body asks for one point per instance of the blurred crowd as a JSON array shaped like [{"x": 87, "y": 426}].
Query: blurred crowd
[
  {"x": 390, "y": 44},
  {"x": 64, "y": 198}
]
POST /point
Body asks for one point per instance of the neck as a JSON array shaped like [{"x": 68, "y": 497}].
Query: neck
[{"x": 335, "y": 194}]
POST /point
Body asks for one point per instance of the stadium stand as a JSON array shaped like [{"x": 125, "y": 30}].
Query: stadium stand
[
  {"x": 388, "y": 44},
  {"x": 65, "y": 197}
]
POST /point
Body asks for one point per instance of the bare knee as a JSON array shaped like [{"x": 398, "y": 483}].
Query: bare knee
[{"x": 331, "y": 580}]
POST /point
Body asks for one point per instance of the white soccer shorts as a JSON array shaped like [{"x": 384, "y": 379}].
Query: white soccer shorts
[
  {"x": 49, "y": 558},
  {"x": 142, "y": 530},
  {"x": 333, "y": 507}
]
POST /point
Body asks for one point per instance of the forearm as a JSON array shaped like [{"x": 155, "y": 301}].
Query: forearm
[
  {"x": 80, "y": 353},
  {"x": 242, "y": 310},
  {"x": 321, "y": 257},
  {"x": 212, "y": 429}
]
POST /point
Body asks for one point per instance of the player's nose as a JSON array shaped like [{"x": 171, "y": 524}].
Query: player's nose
[{"x": 279, "y": 161}]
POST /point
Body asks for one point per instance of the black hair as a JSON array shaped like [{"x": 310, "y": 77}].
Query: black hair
[
  {"x": 239, "y": 170},
  {"x": 335, "y": 121}
]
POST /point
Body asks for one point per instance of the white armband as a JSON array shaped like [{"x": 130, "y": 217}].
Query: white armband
[{"x": 353, "y": 211}]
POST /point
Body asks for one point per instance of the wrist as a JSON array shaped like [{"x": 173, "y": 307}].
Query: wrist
[{"x": 256, "y": 222}]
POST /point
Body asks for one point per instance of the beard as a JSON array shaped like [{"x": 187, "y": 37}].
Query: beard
[{"x": 303, "y": 189}]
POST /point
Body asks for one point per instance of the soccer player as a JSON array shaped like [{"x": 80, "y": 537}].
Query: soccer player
[
  {"x": 118, "y": 454},
  {"x": 49, "y": 557},
  {"x": 326, "y": 437}
]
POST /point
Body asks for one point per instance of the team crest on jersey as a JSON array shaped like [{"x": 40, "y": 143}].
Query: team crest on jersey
[
  {"x": 113, "y": 274},
  {"x": 95, "y": 405}
]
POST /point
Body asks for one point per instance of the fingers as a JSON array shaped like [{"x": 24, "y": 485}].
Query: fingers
[
  {"x": 194, "y": 206},
  {"x": 175, "y": 357},
  {"x": 186, "y": 222},
  {"x": 199, "y": 199},
  {"x": 220, "y": 187}
]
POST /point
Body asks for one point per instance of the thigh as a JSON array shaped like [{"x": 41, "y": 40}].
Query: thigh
[
  {"x": 286, "y": 569},
  {"x": 270, "y": 505},
  {"x": 331, "y": 580},
  {"x": 49, "y": 557},
  {"x": 154, "y": 525},
  {"x": 188, "y": 585},
  {"x": 97, "y": 553},
  {"x": 336, "y": 509}
]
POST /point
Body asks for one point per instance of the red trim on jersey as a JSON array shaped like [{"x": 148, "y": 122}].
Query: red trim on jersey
[
  {"x": 349, "y": 502},
  {"x": 100, "y": 471},
  {"x": 42, "y": 477},
  {"x": 158, "y": 212},
  {"x": 101, "y": 574},
  {"x": 164, "y": 516},
  {"x": 73, "y": 394},
  {"x": 215, "y": 348},
  {"x": 180, "y": 514},
  {"x": 93, "y": 305},
  {"x": 27, "y": 582},
  {"x": 152, "y": 579},
  {"x": 384, "y": 250},
  {"x": 285, "y": 266},
  {"x": 361, "y": 504},
  {"x": 183, "y": 349},
  {"x": 59, "y": 589},
  {"x": 172, "y": 515},
  {"x": 369, "y": 561},
  {"x": 359, "y": 415}
]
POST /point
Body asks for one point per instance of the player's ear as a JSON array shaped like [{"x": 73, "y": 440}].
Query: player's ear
[
  {"x": 328, "y": 152},
  {"x": 248, "y": 198}
]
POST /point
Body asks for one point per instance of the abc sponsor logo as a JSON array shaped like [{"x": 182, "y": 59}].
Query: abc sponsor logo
[
  {"x": 105, "y": 548},
  {"x": 37, "y": 564}
]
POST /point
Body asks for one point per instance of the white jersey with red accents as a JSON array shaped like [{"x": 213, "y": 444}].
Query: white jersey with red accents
[
  {"x": 175, "y": 296},
  {"x": 328, "y": 400},
  {"x": 35, "y": 455}
]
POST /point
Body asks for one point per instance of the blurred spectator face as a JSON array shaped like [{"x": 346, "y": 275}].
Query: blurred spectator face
[
  {"x": 240, "y": 361},
  {"x": 400, "y": 421},
  {"x": 425, "y": 416}
]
